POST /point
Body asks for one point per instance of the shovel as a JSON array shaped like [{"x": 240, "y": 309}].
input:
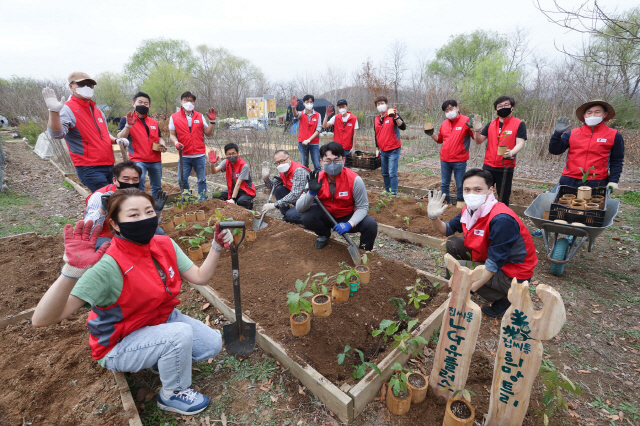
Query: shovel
[
  {"x": 504, "y": 175},
  {"x": 258, "y": 223},
  {"x": 240, "y": 336},
  {"x": 353, "y": 248},
  {"x": 123, "y": 151}
]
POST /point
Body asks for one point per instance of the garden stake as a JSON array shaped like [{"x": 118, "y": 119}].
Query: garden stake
[
  {"x": 353, "y": 248},
  {"x": 459, "y": 332},
  {"x": 258, "y": 224},
  {"x": 519, "y": 353},
  {"x": 240, "y": 336}
]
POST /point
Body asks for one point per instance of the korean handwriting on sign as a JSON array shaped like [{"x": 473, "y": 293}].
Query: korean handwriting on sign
[
  {"x": 451, "y": 362},
  {"x": 466, "y": 315},
  {"x": 514, "y": 336}
]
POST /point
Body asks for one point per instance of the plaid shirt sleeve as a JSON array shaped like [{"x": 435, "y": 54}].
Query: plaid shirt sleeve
[{"x": 298, "y": 183}]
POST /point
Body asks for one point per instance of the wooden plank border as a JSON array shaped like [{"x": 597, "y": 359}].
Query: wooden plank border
[{"x": 424, "y": 240}]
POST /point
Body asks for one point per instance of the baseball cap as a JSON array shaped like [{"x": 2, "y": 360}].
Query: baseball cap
[
  {"x": 342, "y": 102},
  {"x": 78, "y": 76}
]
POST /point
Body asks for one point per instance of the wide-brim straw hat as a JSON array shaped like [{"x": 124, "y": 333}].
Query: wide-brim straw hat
[{"x": 582, "y": 108}]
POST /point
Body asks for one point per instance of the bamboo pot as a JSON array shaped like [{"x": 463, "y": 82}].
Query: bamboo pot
[
  {"x": 177, "y": 209},
  {"x": 236, "y": 238},
  {"x": 584, "y": 192},
  {"x": 251, "y": 235},
  {"x": 591, "y": 206},
  {"x": 206, "y": 247},
  {"x": 195, "y": 253},
  {"x": 545, "y": 215},
  {"x": 199, "y": 215},
  {"x": 569, "y": 196},
  {"x": 300, "y": 329},
  {"x": 321, "y": 309},
  {"x": 418, "y": 394},
  {"x": 339, "y": 294},
  {"x": 397, "y": 406},
  {"x": 191, "y": 216},
  {"x": 167, "y": 225},
  {"x": 502, "y": 149},
  {"x": 451, "y": 419},
  {"x": 155, "y": 146},
  {"x": 178, "y": 219},
  {"x": 365, "y": 274}
]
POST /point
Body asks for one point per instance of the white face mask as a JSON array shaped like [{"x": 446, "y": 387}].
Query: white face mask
[
  {"x": 85, "y": 92},
  {"x": 592, "y": 121},
  {"x": 451, "y": 114},
  {"x": 382, "y": 108},
  {"x": 474, "y": 201},
  {"x": 188, "y": 106},
  {"x": 309, "y": 107},
  {"x": 283, "y": 168},
  {"x": 342, "y": 111}
]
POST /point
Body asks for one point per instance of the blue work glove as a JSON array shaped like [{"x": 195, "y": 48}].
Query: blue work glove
[
  {"x": 342, "y": 227},
  {"x": 314, "y": 185}
]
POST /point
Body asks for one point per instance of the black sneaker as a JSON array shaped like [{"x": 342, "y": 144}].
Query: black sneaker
[
  {"x": 497, "y": 308},
  {"x": 321, "y": 242}
]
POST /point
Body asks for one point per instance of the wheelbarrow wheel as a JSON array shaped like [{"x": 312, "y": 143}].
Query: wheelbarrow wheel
[{"x": 559, "y": 253}]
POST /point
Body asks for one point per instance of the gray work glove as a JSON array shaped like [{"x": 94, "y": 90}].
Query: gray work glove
[
  {"x": 265, "y": 170},
  {"x": 436, "y": 206},
  {"x": 104, "y": 199},
  {"x": 562, "y": 125}
]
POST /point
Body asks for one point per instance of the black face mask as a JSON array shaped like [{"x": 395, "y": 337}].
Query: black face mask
[
  {"x": 125, "y": 185},
  {"x": 142, "y": 109},
  {"x": 140, "y": 231},
  {"x": 232, "y": 159},
  {"x": 504, "y": 112}
]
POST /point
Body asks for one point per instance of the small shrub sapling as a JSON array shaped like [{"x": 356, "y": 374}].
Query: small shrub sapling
[
  {"x": 296, "y": 299},
  {"x": 553, "y": 401},
  {"x": 398, "y": 381},
  {"x": 359, "y": 369},
  {"x": 416, "y": 294},
  {"x": 406, "y": 343},
  {"x": 399, "y": 304}
]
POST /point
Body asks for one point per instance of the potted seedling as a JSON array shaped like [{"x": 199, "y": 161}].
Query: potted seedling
[
  {"x": 348, "y": 276},
  {"x": 300, "y": 320},
  {"x": 411, "y": 345},
  {"x": 237, "y": 234},
  {"x": 206, "y": 246},
  {"x": 321, "y": 302},
  {"x": 199, "y": 215},
  {"x": 178, "y": 219},
  {"x": 584, "y": 192},
  {"x": 178, "y": 207},
  {"x": 428, "y": 125},
  {"x": 363, "y": 270},
  {"x": 194, "y": 251},
  {"x": 399, "y": 395},
  {"x": 167, "y": 225},
  {"x": 190, "y": 216},
  {"x": 459, "y": 411},
  {"x": 340, "y": 291},
  {"x": 360, "y": 370}
]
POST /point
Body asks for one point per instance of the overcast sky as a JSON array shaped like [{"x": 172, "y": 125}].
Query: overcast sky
[{"x": 283, "y": 38}]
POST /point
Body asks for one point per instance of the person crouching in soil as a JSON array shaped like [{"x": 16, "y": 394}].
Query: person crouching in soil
[
  {"x": 342, "y": 192},
  {"x": 493, "y": 236},
  {"x": 132, "y": 291},
  {"x": 289, "y": 185},
  {"x": 240, "y": 188}
]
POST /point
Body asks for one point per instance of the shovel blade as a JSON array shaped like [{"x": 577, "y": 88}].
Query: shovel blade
[
  {"x": 259, "y": 223},
  {"x": 355, "y": 254},
  {"x": 239, "y": 341}
]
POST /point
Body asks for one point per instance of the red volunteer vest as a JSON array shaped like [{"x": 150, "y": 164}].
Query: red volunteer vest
[
  {"x": 588, "y": 149},
  {"x": 140, "y": 148},
  {"x": 246, "y": 185},
  {"x": 452, "y": 135},
  {"x": 476, "y": 239},
  {"x": 287, "y": 177},
  {"x": 308, "y": 126},
  {"x": 145, "y": 300},
  {"x": 106, "y": 229},
  {"x": 96, "y": 149},
  {"x": 385, "y": 133},
  {"x": 343, "y": 130},
  {"x": 506, "y": 136},
  {"x": 341, "y": 203},
  {"x": 192, "y": 138}
]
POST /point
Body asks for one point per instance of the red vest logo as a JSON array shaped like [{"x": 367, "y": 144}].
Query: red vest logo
[
  {"x": 196, "y": 121},
  {"x": 152, "y": 127},
  {"x": 478, "y": 232},
  {"x": 100, "y": 120},
  {"x": 343, "y": 194},
  {"x": 508, "y": 132},
  {"x": 601, "y": 140},
  {"x": 458, "y": 128}
]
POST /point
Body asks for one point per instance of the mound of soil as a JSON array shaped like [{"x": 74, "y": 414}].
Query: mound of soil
[
  {"x": 169, "y": 188},
  {"x": 393, "y": 213},
  {"x": 411, "y": 179},
  {"x": 523, "y": 196},
  {"x": 269, "y": 268},
  {"x": 29, "y": 264}
]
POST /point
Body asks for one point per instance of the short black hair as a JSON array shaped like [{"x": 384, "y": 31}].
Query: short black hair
[
  {"x": 485, "y": 174},
  {"x": 119, "y": 168},
  {"x": 282, "y": 150},
  {"x": 603, "y": 106},
  {"x": 335, "y": 148},
  {"x": 381, "y": 99},
  {"x": 501, "y": 99},
  {"x": 307, "y": 97},
  {"x": 231, "y": 146},
  {"x": 448, "y": 102},
  {"x": 188, "y": 94},
  {"x": 141, "y": 95}
]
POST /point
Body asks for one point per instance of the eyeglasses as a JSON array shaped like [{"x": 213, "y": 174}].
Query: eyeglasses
[
  {"x": 335, "y": 161},
  {"x": 504, "y": 105},
  {"x": 277, "y": 163},
  {"x": 82, "y": 84}
]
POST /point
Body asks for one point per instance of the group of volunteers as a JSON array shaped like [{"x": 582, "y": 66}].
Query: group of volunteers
[{"x": 120, "y": 265}]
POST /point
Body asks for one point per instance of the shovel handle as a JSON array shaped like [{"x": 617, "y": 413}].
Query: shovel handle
[
  {"x": 268, "y": 200},
  {"x": 333, "y": 221},
  {"x": 234, "y": 247}
]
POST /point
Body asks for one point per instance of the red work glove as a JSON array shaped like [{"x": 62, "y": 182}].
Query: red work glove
[
  {"x": 80, "y": 248},
  {"x": 179, "y": 146},
  {"x": 131, "y": 119},
  {"x": 221, "y": 238},
  {"x": 329, "y": 110},
  {"x": 213, "y": 157},
  {"x": 294, "y": 101},
  {"x": 212, "y": 114}
]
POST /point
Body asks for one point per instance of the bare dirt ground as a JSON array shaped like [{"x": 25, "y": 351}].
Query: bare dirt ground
[{"x": 598, "y": 348}]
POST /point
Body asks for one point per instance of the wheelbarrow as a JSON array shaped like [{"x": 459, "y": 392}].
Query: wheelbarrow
[{"x": 559, "y": 250}]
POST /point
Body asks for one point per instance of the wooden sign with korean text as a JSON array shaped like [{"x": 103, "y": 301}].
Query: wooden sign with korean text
[
  {"x": 519, "y": 353},
  {"x": 459, "y": 331}
]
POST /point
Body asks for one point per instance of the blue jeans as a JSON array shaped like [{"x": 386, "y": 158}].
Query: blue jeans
[
  {"x": 289, "y": 212},
  {"x": 314, "y": 151},
  {"x": 389, "y": 166},
  {"x": 155, "y": 176},
  {"x": 172, "y": 345},
  {"x": 198, "y": 164},
  {"x": 458, "y": 170},
  {"x": 95, "y": 177}
]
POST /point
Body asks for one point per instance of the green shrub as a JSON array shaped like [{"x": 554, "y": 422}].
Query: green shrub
[{"x": 31, "y": 130}]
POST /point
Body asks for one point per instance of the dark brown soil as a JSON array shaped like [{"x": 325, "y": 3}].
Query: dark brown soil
[
  {"x": 342, "y": 286},
  {"x": 394, "y": 212},
  {"x": 417, "y": 381},
  {"x": 299, "y": 318},
  {"x": 523, "y": 196},
  {"x": 167, "y": 187},
  {"x": 321, "y": 299},
  {"x": 460, "y": 410},
  {"x": 29, "y": 264},
  {"x": 284, "y": 253},
  {"x": 401, "y": 395}
]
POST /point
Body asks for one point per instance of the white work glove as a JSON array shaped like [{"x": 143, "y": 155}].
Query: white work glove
[
  {"x": 50, "y": 98},
  {"x": 435, "y": 208},
  {"x": 265, "y": 170},
  {"x": 267, "y": 207},
  {"x": 124, "y": 141},
  {"x": 230, "y": 201},
  {"x": 477, "y": 122},
  {"x": 221, "y": 238},
  {"x": 613, "y": 185},
  {"x": 507, "y": 154},
  {"x": 306, "y": 142}
]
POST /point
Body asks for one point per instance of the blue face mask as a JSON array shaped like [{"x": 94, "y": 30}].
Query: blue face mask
[{"x": 333, "y": 169}]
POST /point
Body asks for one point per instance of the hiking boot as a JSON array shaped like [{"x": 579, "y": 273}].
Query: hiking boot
[
  {"x": 497, "y": 308},
  {"x": 537, "y": 233},
  {"x": 186, "y": 402},
  {"x": 321, "y": 242}
]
